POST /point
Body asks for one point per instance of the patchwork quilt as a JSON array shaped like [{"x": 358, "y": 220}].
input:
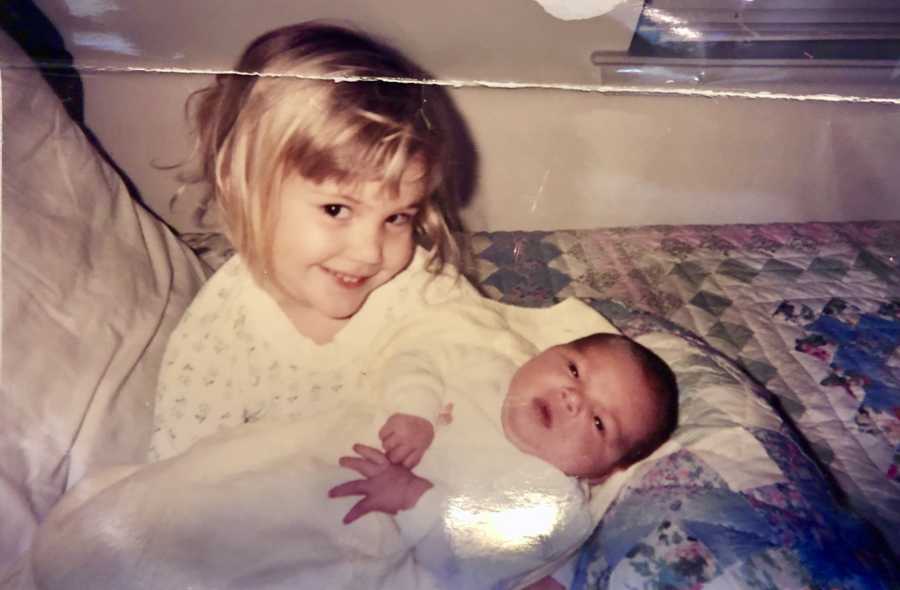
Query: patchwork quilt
[
  {"x": 742, "y": 506},
  {"x": 811, "y": 311}
]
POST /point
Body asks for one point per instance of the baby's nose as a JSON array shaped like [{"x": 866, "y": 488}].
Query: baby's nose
[{"x": 571, "y": 399}]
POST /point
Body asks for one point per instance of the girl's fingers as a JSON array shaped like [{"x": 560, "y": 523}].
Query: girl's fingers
[
  {"x": 390, "y": 442},
  {"x": 362, "y": 466},
  {"x": 359, "y": 509},
  {"x": 370, "y": 454},
  {"x": 412, "y": 459},
  {"x": 393, "y": 455},
  {"x": 350, "y": 488},
  {"x": 399, "y": 454}
]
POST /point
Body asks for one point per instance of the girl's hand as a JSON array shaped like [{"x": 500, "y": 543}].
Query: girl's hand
[
  {"x": 387, "y": 487},
  {"x": 405, "y": 439}
]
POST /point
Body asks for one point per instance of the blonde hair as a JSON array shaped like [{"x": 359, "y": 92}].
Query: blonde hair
[{"x": 313, "y": 107}]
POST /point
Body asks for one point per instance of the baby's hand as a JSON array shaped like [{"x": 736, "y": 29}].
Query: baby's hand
[
  {"x": 386, "y": 488},
  {"x": 405, "y": 439}
]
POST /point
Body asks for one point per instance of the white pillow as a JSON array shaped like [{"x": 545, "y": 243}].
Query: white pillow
[{"x": 92, "y": 286}]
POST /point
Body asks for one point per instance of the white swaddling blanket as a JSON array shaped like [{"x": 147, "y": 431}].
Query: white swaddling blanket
[{"x": 493, "y": 516}]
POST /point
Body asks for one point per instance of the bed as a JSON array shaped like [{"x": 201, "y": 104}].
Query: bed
[
  {"x": 783, "y": 337},
  {"x": 810, "y": 312}
]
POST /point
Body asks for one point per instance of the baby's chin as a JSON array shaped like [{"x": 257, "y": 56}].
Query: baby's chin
[
  {"x": 507, "y": 412},
  {"x": 534, "y": 451},
  {"x": 507, "y": 420}
]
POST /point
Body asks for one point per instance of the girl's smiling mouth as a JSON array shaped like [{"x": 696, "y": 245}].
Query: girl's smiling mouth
[{"x": 346, "y": 280}]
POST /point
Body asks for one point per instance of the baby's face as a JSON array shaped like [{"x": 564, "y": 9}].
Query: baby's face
[{"x": 580, "y": 410}]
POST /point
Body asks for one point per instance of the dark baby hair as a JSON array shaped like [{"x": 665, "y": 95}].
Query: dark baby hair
[{"x": 661, "y": 383}]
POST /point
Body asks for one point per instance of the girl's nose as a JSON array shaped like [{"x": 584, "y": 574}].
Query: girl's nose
[
  {"x": 572, "y": 400},
  {"x": 367, "y": 246}
]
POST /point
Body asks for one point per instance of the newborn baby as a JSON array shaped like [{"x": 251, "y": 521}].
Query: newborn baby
[{"x": 515, "y": 456}]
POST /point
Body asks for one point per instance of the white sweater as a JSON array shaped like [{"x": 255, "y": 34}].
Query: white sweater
[{"x": 235, "y": 357}]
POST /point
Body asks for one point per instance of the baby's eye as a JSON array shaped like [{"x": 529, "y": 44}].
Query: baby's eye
[
  {"x": 573, "y": 369},
  {"x": 336, "y": 211},
  {"x": 598, "y": 423}
]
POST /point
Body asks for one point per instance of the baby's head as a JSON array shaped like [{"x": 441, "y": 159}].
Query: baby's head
[
  {"x": 592, "y": 406},
  {"x": 312, "y": 109}
]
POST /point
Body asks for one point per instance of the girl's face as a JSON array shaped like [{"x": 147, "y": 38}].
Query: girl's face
[{"x": 334, "y": 245}]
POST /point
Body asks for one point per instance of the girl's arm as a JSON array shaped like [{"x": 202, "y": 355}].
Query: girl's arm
[
  {"x": 411, "y": 389},
  {"x": 411, "y": 382}
]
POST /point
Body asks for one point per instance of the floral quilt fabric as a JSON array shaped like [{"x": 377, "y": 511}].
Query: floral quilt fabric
[
  {"x": 808, "y": 310},
  {"x": 739, "y": 505}
]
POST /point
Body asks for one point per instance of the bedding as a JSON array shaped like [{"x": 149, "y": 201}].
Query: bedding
[
  {"x": 808, "y": 310},
  {"x": 811, "y": 311},
  {"x": 92, "y": 286},
  {"x": 719, "y": 516},
  {"x": 742, "y": 501}
]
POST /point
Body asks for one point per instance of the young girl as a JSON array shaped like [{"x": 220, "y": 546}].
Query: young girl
[
  {"x": 332, "y": 187},
  {"x": 326, "y": 184}
]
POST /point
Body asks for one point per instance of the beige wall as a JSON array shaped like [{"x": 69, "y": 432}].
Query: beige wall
[
  {"x": 558, "y": 160},
  {"x": 548, "y": 158}
]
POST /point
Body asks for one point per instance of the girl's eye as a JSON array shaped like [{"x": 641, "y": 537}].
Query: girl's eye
[
  {"x": 399, "y": 219},
  {"x": 336, "y": 211},
  {"x": 573, "y": 370},
  {"x": 598, "y": 423}
]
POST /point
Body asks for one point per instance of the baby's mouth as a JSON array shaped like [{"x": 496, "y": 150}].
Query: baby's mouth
[{"x": 542, "y": 408}]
